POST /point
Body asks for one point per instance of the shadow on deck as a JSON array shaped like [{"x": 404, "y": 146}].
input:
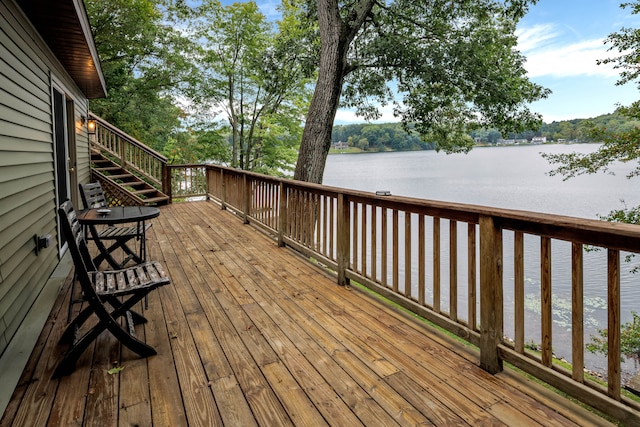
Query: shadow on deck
[{"x": 252, "y": 334}]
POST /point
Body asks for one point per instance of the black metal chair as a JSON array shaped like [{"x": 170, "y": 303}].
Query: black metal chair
[
  {"x": 102, "y": 289},
  {"x": 93, "y": 198}
]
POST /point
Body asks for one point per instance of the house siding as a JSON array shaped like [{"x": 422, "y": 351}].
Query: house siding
[{"x": 27, "y": 178}]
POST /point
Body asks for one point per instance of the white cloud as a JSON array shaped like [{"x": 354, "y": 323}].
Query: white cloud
[{"x": 549, "y": 55}]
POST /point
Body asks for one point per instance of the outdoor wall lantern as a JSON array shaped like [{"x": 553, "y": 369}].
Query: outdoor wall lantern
[{"x": 91, "y": 126}]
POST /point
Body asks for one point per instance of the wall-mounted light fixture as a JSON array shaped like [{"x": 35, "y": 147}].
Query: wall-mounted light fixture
[
  {"x": 42, "y": 242},
  {"x": 91, "y": 126},
  {"x": 83, "y": 120}
]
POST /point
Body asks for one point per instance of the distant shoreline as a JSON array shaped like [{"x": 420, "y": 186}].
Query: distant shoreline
[{"x": 355, "y": 150}]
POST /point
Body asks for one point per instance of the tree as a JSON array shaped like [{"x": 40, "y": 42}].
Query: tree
[
  {"x": 629, "y": 339},
  {"x": 620, "y": 143},
  {"x": 254, "y": 76},
  {"x": 146, "y": 64},
  {"x": 197, "y": 146},
  {"x": 454, "y": 63}
]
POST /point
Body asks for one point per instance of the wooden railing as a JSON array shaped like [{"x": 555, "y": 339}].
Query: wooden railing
[
  {"x": 130, "y": 153},
  {"x": 185, "y": 181},
  {"x": 444, "y": 262}
]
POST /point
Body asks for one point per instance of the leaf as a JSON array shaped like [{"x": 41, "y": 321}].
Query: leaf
[{"x": 115, "y": 370}]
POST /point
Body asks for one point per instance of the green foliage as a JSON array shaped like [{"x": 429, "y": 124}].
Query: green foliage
[
  {"x": 197, "y": 146},
  {"x": 446, "y": 67},
  {"x": 379, "y": 137},
  {"x": 456, "y": 65},
  {"x": 621, "y": 143},
  {"x": 254, "y": 76},
  {"x": 629, "y": 339},
  {"x": 146, "y": 64},
  {"x": 393, "y": 137}
]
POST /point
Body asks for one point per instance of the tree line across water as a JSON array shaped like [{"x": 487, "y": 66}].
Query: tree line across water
[{"x": 374, "y": 137}]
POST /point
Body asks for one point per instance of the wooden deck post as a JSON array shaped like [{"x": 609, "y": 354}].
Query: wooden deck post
[
  {"x": 343, "y": 238},
  {"x": 166, "y": 182},
  {"x": 491, "y": 317}
]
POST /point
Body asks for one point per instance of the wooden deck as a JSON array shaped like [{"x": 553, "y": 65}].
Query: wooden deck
[{"x": 252, "y": 334}]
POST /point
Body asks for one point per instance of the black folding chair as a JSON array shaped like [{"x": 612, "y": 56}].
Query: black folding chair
[
  {"x": 93, "y": 198},
  {"x": 101, "y": 288}
]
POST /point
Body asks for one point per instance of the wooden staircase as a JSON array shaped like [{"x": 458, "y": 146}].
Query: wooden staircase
[{"x": 122, "y": 187}]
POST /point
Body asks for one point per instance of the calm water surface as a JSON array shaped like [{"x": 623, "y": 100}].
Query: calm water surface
[{"x": 515, "y": 178}]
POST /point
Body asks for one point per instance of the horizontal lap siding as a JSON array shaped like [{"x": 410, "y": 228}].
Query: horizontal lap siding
[{"x": 27, "y": 183}]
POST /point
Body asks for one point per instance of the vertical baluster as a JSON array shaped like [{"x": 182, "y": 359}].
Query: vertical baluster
[
  {"x": 577, "y": 313},
  {"x": 395, "y": 250},
  {"x": 300, "y": 217},
  {"x": 317, "y": 223},
  {"x": 436, "y": 264},
  {"x": 325, "y": 200},
  {"x": 407, "y": 254},
  {"x": 273, "y": 192},
  {"x": 332, "y": 227},
  {"x": 545, "y": 301},
  {"x": 282, "y": 214},
  {"x": 518, "y": 292},
  {"x": 613, "y": 323},
  {"x": 453, "y": 270},
  {"x": 421, "y": 259},
  {"x": 471, "y": 274},
  {"x": 374, "y": 242},
  {"x": 363, "y": 239},
  {"x": 354, "y": 231},
  {"x": 311, "y": 220},
  {"x": 385, "y": 279}
]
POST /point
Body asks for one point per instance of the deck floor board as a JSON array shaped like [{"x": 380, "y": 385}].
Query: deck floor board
[{"x": 252, "y": 334}]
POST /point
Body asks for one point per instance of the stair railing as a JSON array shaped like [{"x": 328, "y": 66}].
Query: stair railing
[{"x": 130, "y": 153}]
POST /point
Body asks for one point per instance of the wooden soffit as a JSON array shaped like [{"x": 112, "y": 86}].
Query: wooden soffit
[{"x": 64, "y": 26}]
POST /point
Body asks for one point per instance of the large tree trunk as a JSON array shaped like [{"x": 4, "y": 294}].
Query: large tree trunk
[{"x": 316, "y": 137}]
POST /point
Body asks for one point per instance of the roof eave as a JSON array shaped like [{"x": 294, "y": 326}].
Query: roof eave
[{"x": 64, "y": 26}]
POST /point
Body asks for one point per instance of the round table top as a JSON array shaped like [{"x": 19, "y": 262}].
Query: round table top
[{"x": 117, "y": 214}]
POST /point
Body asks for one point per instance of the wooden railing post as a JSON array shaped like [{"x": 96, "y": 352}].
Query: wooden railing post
[
  {"x": 491, "y": 304},
  {"x": 166, "y": 182},
  {"x": 282, "y": 213},
  {"x": 343, "y": 239}
]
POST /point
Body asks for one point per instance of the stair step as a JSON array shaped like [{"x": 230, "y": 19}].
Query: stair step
[
  {"x": 156, "y": 199},
  {"x": 110, "y": 169},
  {"x": 128, "y": 182},
  {"x": 137, "y": 184},
  {"x": 145, "y": 191}
]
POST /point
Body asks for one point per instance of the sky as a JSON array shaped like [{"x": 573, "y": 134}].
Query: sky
[{"x": 562, "y": 40}]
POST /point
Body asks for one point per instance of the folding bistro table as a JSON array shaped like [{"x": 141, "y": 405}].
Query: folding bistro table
[{"x": 118, "y": 215}]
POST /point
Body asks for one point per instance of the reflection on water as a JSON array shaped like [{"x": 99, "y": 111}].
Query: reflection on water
[{"x": 513, "y": 178}]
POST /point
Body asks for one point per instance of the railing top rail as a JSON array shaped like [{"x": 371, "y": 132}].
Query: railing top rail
[
  {"x": 625, "y": 237},
  {"x": 128, "y": 137},
  {"x": 187, "y": 165}
]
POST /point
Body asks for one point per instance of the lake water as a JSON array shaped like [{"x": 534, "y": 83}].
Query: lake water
[{"x": 513, "y": 177}]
